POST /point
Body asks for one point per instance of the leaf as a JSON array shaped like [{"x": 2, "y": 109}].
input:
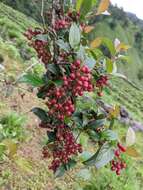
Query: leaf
[
  {"x": 132, "y": 152},
  {"x": 11, "y": 146},
  {"x": 114, "y": 113},
  {"x": 130, "y": 137},
  {"x": 32, "y": 79},
  {"x": 105, "y": 155},
  {"x": 90, "y": 62},
  {"x": 96, "y": 123},
  {"x": 81, "y": 54},
  {"x": 71, "y": 164},
  {"x": 91, "y": 161},
  {"x": 78, "y": 4},
  {"x": 88, "y": 29},
  {"x": 109, "y": 44},
  {"x": 85, "y": 174},
  {"x": 42, "y": 114},
  {"x": 42, "y": 37},
  {"x": 110, "y": 135},
  {"x": 103, "y": 6},
  {"x": 109, "y": 66},
  {"x": 122, "y": 47},
  {"x": 63, "y": 45},
  {"x": 60, "y": 171},
  {"x": 102, "y": 157},
  {"x": 24, "y": 164},
  {"x": 74, "y": 35},
  {"x": 85, "y": 156},
  {"x": 84, "y": 139},
  {"x": 53, "y": 68},
  {"x": 86, "y": 6},
  {"x": 96, "y": 43},
  {"x": 51, "y": 136}
]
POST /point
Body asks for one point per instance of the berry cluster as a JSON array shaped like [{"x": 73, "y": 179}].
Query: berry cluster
[
  {"x": 79, "y": 79},
  {"x": 61, "y": 24},
  {"x": 64, "y": 147},
  {"x": 38, "y": 45},
  {"x": 61, "y": 105},
  {"x": 102, "y": 81},
  {"x": 117, "y": 165}
]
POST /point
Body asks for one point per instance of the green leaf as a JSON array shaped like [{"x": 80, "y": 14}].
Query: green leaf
[
  {"x": 105, "y": 155},
  {"x": 109, "y": 44},
  {"x": 78, "y": 4},
  {"x": 109, "y": 66},
  {"x": 96, "y": 123},
  {"x": 90, "y": 62},
  {"x": 102, "y": 157},
  {"x": 60, "y": 171},
  {"x": 83, "y": 139},
  {"x": 51, "y": 136},
  {"x": 78, "y": 117},
  {"x": 109, "y": 135},
  {"x": 86, "y": 6},
  {"x": 81, "y": 54},
  {"x": 74, "y": 35},
  {"x": 32, "y": 79},
  {"x": 91, "y": 161},
  {"x": 42, "y": 114},
  {"x": 42, "y": 37},
  {"x": 85, "y": 174},
  {"x": 63, "y": 45},
  {"x": 85, "y": 156},
  {"x": 53, "y": 68},
  {"x": 70, "y": 164}
]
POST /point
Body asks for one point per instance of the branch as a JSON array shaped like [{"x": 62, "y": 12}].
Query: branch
[{"x": 42, "y": 14}]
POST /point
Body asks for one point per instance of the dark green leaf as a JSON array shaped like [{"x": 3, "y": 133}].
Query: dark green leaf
[
  {"x": 74, "y": 35},
  {"x": 32, "y": 79},
  {"x": 102, "y": 157},
  {"x": 51, "y": 136},
  {"x": 92, "y": 159},
  {"x": 70, "y": 164},
  {"x": 105, "y": 155},
  {"x": 78, "y": 117},
  {"x": 96, "y": 123},
  {"x": 42, "y": 114},
  {"x": 60, "y": 171},
  {"x": 53, "y": 68}
]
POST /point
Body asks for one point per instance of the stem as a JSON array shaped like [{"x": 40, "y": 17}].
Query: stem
[{"x": 42, "y": 14}]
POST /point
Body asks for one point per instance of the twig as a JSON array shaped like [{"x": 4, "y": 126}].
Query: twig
[{"x": 42, "y": 14}]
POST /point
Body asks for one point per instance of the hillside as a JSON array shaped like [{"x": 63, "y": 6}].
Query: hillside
[{"x": 128, "y": 29}]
